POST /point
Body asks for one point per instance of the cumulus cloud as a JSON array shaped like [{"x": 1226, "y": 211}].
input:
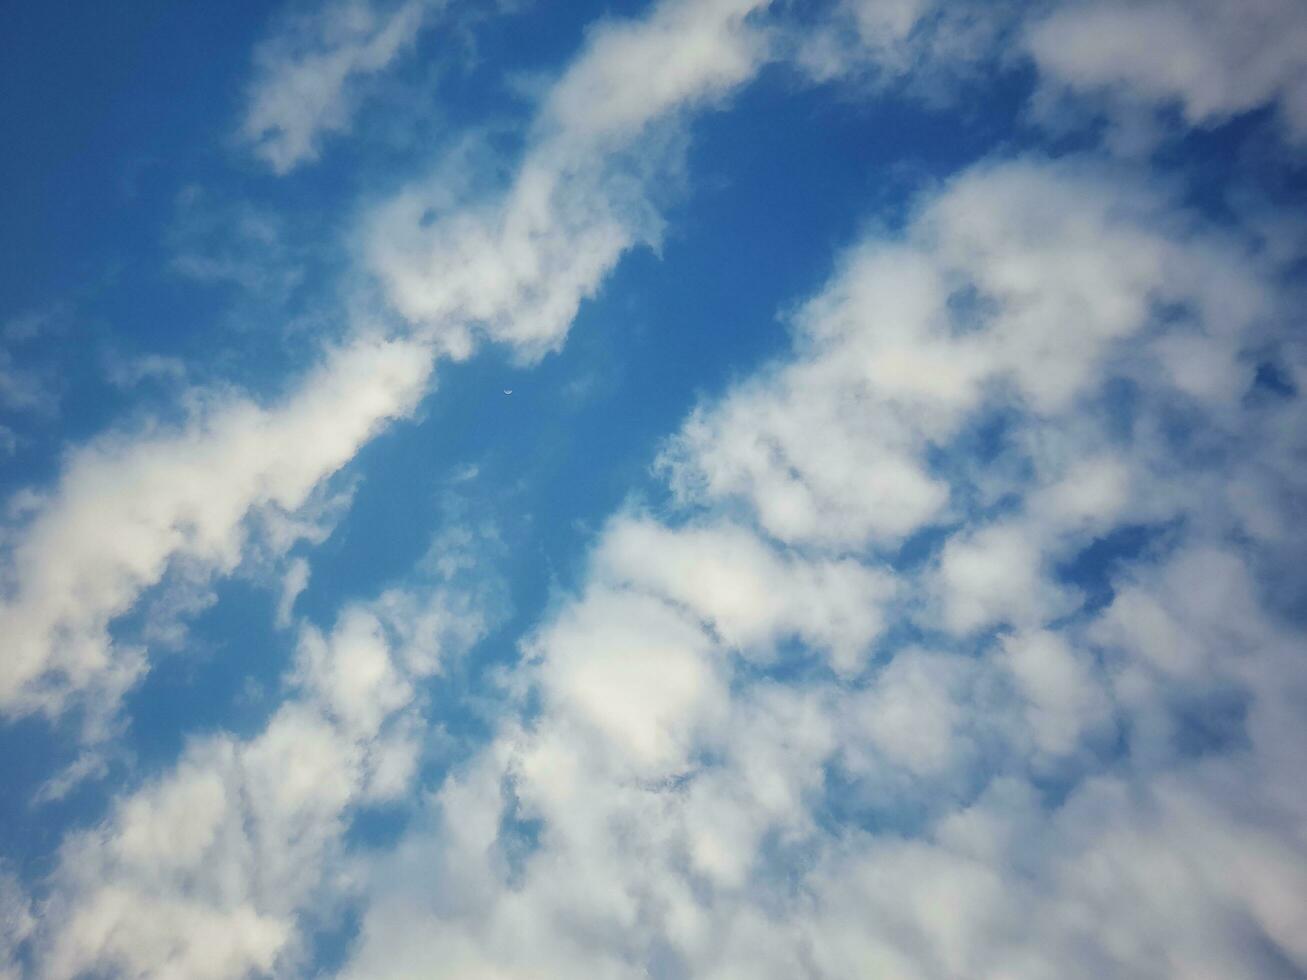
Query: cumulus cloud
[
  {"x": 829, "y": 449},
  {"x": 127, "y": 508},
  {"x": 994, "y": 776},
  {"x": 206, "y": 870},
  {"x": 307, "y": 77}
]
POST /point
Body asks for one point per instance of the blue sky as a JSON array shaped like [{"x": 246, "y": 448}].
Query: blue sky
[{"x": 697, "y": 488}]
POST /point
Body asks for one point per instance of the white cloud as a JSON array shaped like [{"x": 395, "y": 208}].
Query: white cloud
[
  {"x": 912, "y": 716},
  {"x": 126, "y": 509},
  {"x": 703, "y": 771},
  {"x": 996, "y": 575},
  {"x": 924, "y": 46},
  {"x": 17, "y": 923},
  {"x": 634, "y": 671},
  {"x": 750, "y": 595},
  {"x": 1213, "y": 60},
  {"x": 517, "y": 267},
  {"x": 204, "y": 871},
  {"x": 1066, "y": 697},
  {"x": 634, "y": 72},
  {"x": 307, "y": 77},
  {"x": 295, "y": 582},
  {"x": 1209, "y": 59},
  {"x": 1014, "y": 283}
]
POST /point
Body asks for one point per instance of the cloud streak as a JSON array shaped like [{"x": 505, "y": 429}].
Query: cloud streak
[{"x": 1212, "y": 60}]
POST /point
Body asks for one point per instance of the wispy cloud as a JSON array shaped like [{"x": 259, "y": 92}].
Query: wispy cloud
[
  {"x": 127, "y": 506},
  {"x": 515, "y": 267},
  {"x": 308, "y": 75},
  {"x": 204, "y": 871}
]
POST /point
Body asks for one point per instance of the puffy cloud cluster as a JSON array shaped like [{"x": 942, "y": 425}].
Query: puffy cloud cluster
[
  {"x": 207, "y": 870},
  {"x": 1018, "y": 284},
  {"x": 752, "y": 747}
]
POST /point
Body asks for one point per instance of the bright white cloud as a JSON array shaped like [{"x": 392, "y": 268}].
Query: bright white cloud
[
  {"x": 634, "y": 72},
  {"x": 1015, "y": 283},
  {"x": 204, "y": 871},
  {"x": 751, "y": 596},
  {"x": 127, "y": 508}
]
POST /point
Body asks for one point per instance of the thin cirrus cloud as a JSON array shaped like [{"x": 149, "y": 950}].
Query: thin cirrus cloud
[{"x": 848, "y": 698}]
